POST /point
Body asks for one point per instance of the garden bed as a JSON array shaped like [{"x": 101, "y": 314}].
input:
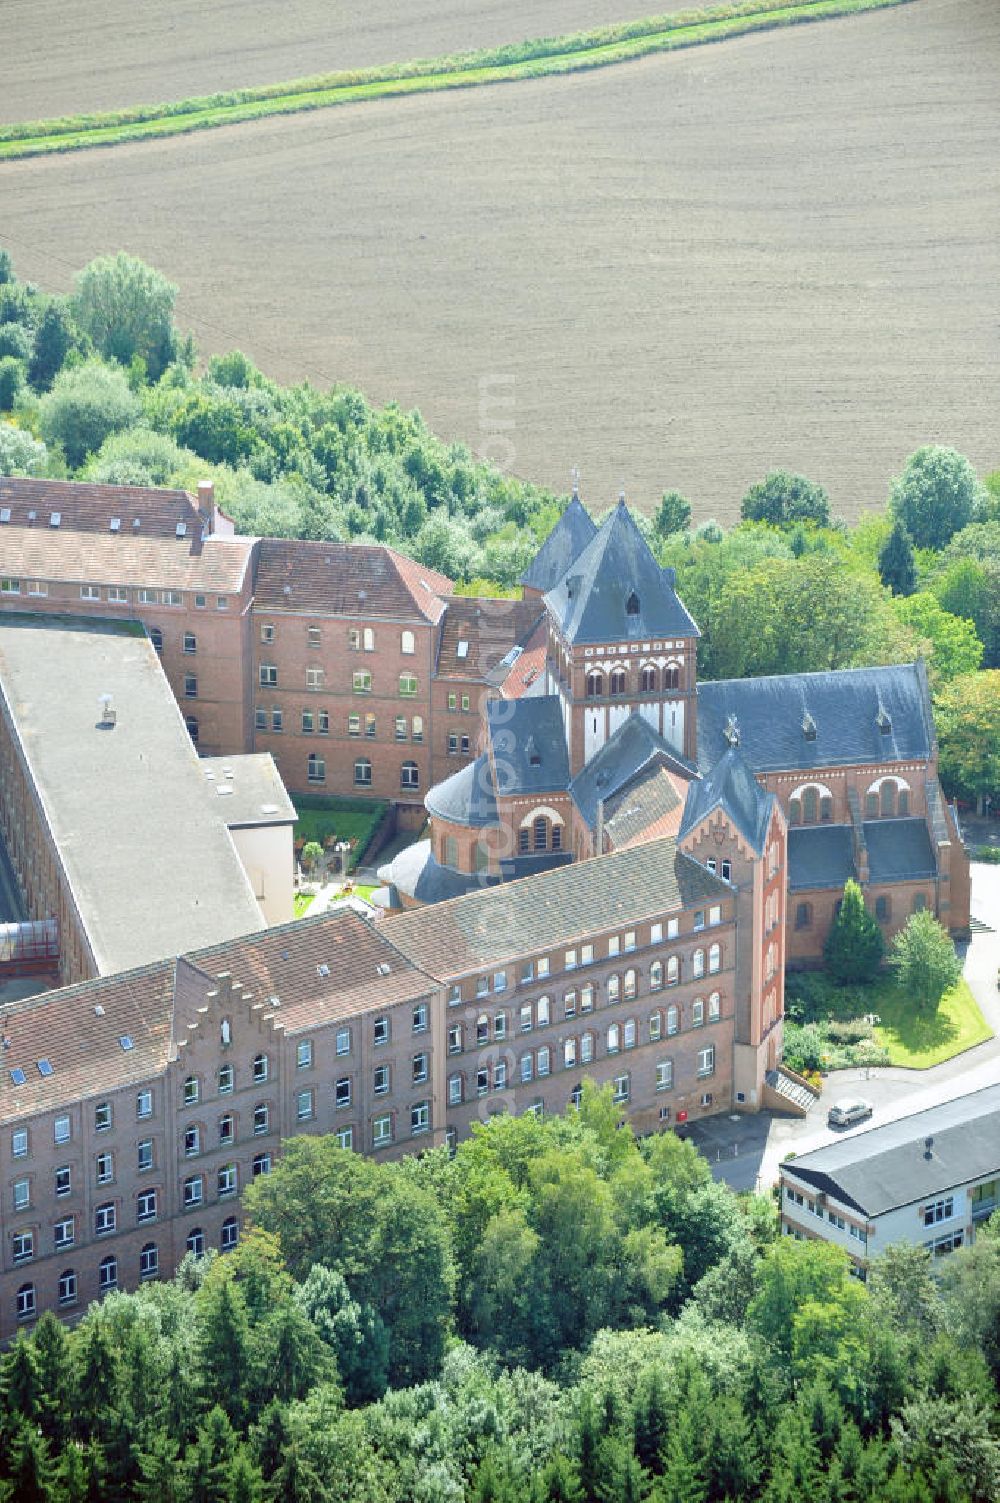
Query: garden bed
[
  {"x": 822, "y": 1016},
  {"x": 329, "y": 820}
]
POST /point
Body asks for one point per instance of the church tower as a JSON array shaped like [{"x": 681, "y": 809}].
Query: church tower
[{"x": 621, "y": 643}]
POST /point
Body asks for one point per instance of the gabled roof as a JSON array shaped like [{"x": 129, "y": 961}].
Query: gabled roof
[
  {"x": 467, "y": 797},
  {"x": 479, "y": 636},
  {"x": 528, "y": 745},
  {"x": 634, "y": 744},
  {"x": 646, "y": 807},
  {"x": 892, "y": 1166},
  {"x": 565, "y": 542},
  {"x": 366, "y": 581},
  {"x": 554, "y": 909},
  {"x": 806, "y": 720},
  {"x": 217, "y": 565},
  {"x": 899, "y": 850},
  {"x": 732, "y": 787},
  {"x": 615, "y": 591},
  {"x": 90, "y": 508}
]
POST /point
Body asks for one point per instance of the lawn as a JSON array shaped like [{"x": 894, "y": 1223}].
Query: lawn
[
  {"x": 326, "y": 819},
  {"x": 302, "y": 901},
  {"x": 918, "y": 1041}
]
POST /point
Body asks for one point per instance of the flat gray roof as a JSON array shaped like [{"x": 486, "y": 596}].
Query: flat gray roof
[
  {"x": 248, "y": 789},
  {"x": 895, "y": 1165},
  {"x": 148, "y": 857}
]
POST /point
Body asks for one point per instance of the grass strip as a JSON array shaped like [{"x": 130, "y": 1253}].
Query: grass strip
[{"x": 532, "y": 59}]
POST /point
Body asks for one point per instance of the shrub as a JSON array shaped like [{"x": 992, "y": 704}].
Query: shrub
[
  {"x": 850, "y": 1032},
  {"x": 20, "y": 454},
  {"x": 15, "y": 340}
]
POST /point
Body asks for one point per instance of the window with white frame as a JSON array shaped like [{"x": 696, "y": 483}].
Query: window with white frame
[
  {"x": 655, "y": 934},
  {"x": 226, "y": 1181},
  {"x": 23, "y": 1247},
  {"x": 614, "y": 1038},
  {"x": 194, "y": 1190},
  {"x": 343, "y": 1041},
  {"x": 714, "y": 959},
  {"x": 229, "y": 1236},
  {"x": 64, "y": 1180},
  {"x": 261, "y": 1119},
  {"x": 420, "y": 1117},
  {"x": 105, "y": 1168},
  {"x": 144, "y": 1155},
  {"x": 261, "y": 1164},
  {"x": 259, "y": 1069},
  {"x": 382, "y": 1130},
  {"x": 342, "y": 1092},
  {"x": 665, "y": 1075},
  {"x": 697, "y": 1012},
  {"x": 543, "y": 1060},
  {"x": 621, "y": 1089},
  {"x": 706, "y": 1061},
  {"x": 419, "y": 1069},
  {"x": 105, "y": 1218},
  {"x": 67, "y": 1286},
  {"x": 345, "y": 1137},
  {"x": 145, "y": 1206},
  {"x": 191, "y": 1091},
  {"x": 714, "y": 1007},
  {"x": 455, "y": 1090},
  {"x": 698, "y": 963},
  {"x": 586, "y": 1048},
  {"x": 19, "y": 1143},
  {"x": 527, "y": 1067}
]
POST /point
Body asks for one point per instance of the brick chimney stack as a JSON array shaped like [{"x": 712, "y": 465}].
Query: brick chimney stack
[{"x": 206, "y": 505}]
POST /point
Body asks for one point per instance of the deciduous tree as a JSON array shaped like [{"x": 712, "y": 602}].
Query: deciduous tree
[
  {"x": 924, "y": 960},
  {"x": 127, "y": 307},
  {"x": 782, "y": 498},
  {"x": 936, "y": 495}
]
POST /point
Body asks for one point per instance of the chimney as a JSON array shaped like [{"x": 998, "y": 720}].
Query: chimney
[{"x": 206, "y": 505}]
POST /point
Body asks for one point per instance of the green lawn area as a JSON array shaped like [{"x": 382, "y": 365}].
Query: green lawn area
[
  {"x": 326, "y": 819},
  {"x": 918, "y": 1041},
  {"x": 301, "y": 902}
]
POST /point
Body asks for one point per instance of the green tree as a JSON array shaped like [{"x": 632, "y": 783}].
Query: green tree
[
  {"x": 671, "y": 516},
  {"x": 967, "y": 714},
  {"x": 85, "y": 405},
  {"x": 896, "y": 567},
  {"x": 312, "y": 854},
  {"x": 924, "y": 960},
  {"x": 54, "y": 338},
  {"x": 127, "y": 310},
  {"x": 782, "y": 498},
  {"x": 11, "y": 382},
  {"x": 936, "y": 496},
  {"x": 222, "y": 1344},
  {"x": 15, "y": 341},
  {"x": 355, "y": 1333},
  {"x": 854, "y": 946},
  {"x": 954, "y": 646},
  {"x": 970, "y": 587}
]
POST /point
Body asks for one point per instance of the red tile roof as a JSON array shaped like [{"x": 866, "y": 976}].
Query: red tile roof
[
  {"x": 530, "y": 666},
  {"x": 90, "y": 508},
  {"x": 364, "y": 581},
  {"x": 490, "y": 628},
  {"x": 218, "y": 565}
]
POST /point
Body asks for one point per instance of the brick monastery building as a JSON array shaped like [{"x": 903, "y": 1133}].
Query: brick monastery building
[{"x": 541, "y": 733}]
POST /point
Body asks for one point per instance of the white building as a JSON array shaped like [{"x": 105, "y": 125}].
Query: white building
[{"x": 929, "y": 1179}]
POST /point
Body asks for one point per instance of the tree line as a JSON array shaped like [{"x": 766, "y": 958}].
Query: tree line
[
  {"x": 558, "y": 1313},
  {"x": 99, "y": 385}
]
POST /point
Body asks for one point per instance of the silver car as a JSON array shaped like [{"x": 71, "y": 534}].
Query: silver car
[{"x": 845, "y": 1113}]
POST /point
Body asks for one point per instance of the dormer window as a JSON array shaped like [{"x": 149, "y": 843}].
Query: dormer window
[
  {"x": 632, "y": 605},
  {"x": 808, "y": 727},
  {"x": 883, "y": 722},
  {"x": 534, "y": 755},
  {"x": 732, "y": 731}
]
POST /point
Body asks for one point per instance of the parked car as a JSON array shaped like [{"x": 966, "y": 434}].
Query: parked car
[{"x": 845, "y": 1113}]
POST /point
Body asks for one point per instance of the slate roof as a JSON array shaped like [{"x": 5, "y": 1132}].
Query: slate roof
[
  {"x": 90, "y": 508},
  {"x": 552, "y": 910},
  {"x": 888, "y": 1167},
  {"x": 590, "y": 600},
  {"x": 565, "y": 542},
  {"x": 731, "y": 786},
  {"x": 844, "y": 706},
  {"x": 898, "y": 850},
  {"x": 633, "y": 745},
  {"x": 147, "y": 855},
  {"x": 467, "y": 797},
  {"x": 646, "y": 807},
  {"x": 820, "y": 856},
  {"x": 366, "y": 581},
  {"x": 528, "y": 745},
  {"x": 219, "y": 565},
  {"x": 416, "y": 872},
  {"x": 490, "y": 629}
]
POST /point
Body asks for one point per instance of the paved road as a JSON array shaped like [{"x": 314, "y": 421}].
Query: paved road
[{"x": 746, "y": 1151}]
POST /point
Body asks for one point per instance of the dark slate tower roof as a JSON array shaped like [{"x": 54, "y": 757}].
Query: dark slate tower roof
[
  {"x": 565, "y": 542},
  {"x": 615, "y": 591},
  {"x": 732, "y": 787},
  {"x": 528, "y": 743}
]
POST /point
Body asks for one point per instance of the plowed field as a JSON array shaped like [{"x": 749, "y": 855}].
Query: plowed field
[{"x": 782, "y": 250}]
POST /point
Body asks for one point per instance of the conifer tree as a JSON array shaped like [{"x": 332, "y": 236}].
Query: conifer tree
[
  {"x": 896, "y": 567},
  {"x": 854, "y": 946}
]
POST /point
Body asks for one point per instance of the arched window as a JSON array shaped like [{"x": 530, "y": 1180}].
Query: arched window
[
  {"x": 803, "y": 915},
  {"x": 587, "y": 1048},
  {"x": 714, "y": 1007},
  {"x": 673, "y": 970},
  {"x": 629, "y": 1033},
  {"x": 67, "y": 1286},
  {"x": 230, "y": 1234},
  {"x": 887, "y": 800},
  {"x": 196, "y": 1242},
  {"x": 407, "y": 643},
  {"x": 417, "y": 728},
  {"x": 810, "y": 805},
  {"x": 825, "y": 807},
  {"x": 698, "y": 963},
  {"x": 614, "y": 989},
  {"x": 107, "y": 1274},
  {"x": 618, "y": 681},
  {"x": 569, "y": 1054},
  {"x": 647, "y": 680},
  {"x": 673, "y": 1020},
  {"x": 409, "y": 775},
  {"x": 260, "y": 1068},
  {"x": 482, "y": 1029},
  {"x": 714, "y": 959},
  {"x": 595, "y": 685},
  {"x": 544, "y": 1060},
  {"x": 149, "y": 1261},
  {"x": 191, "y": 722},
  {"x": 795, "y": 811},
  {"x": 671, "y": 677},
  {"x": 541, "y": 833},
  {"x": 156, "y": 637},
  {"x": 450, "y": 851},
  {"x": 362, "y": 773},
  {"x": 25, "y": 1303},
  {"x": 631, "y": 984},
  {"x": 883, "y": 909},
  {"x": 656, "y": 976},
  {"x": 919, "y": 902},
  {"x": 614, "y": 1038},
  {"x": 632, "y": 605}
]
